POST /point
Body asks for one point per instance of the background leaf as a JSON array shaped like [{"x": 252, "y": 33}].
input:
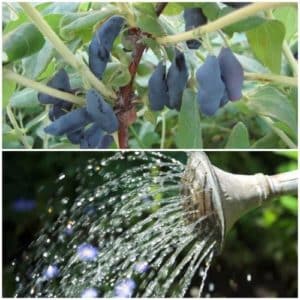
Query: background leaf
[
  {"x": 239, "y": 137},
  {"x": 268, "y": 101},
  {"x": 289, "y": 17},
  {"x": 23, "y": 41},
  {"x": 266, "y": 42},
  {"x": 189, "y": 127}
]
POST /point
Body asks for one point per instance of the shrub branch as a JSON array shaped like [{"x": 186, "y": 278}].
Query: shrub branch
[
  {"x": 38, "y": 20},
  {"x": 127, "y": 111},
  {"x": 8, "y": 74},
  {"x": 229, "y": 19}
]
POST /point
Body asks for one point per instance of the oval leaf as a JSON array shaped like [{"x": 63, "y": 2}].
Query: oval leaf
[
  {"x": 266, "y": 42},
  {"x": 239, "y": 137},
  {"x": 22, "y": 42}
]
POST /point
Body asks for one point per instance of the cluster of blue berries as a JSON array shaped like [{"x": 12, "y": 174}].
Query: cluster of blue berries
[
  {"x": 88, "y": 126},
  {"x": 167, "y": 89},
  {"x": 220, "y": 79}
]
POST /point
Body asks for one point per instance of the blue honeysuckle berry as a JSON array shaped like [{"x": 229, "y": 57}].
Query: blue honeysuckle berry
[
  {"x": 59, "y": 109},
  {"x": 102, "y": 43},
  {"x": 125, "y": 288},
  {"x": 176, "y": 79},
  {"x": 232, "y": 74},
  {"x": 51, "y": 272},
  {"x": 158, "y": 88},
  {"x": 211, "y": 86},
  {"x": 69, "y": 122},
  {"x": 75, "y": 137},
  {"x": 87, "y": 252},
  {"x": 89, "y": 293},
  {"x": 94, "y": 137},
  {"x": 59, "y": 81},
  {"x": 98, "y": 57},
  {"x": 101, "y": 112},
  {"x": 193, "y": 17}
]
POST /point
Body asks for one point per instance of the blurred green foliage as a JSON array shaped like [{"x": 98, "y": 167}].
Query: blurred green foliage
[{"x": 262, "y": 244}]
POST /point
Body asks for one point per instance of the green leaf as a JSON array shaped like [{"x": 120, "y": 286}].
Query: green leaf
[
  {"x": 26, "y": 98},
  {"x": 145, "y": 8},
  {"x": 189, "y": 126},
  {"x": 289, "y": 17},
  {"x": 35, "y": 64},
  {"x": 54, "y": 21},
  {"x": 149, "y": 24},
  {"x": 239, "y": 137},
  {"x": 116, "y": 75},
  {"x": 266, "y": 42},
  {"x": 9, "y": 87},
  {"x": 23, "y": 41},
  {"x": 172, "y": 9},
  {"x": 241, "y": 26},
  {"x": 150, "y": 116},
  {"x": 75, "y": 24},
  {"x": 268, "y": 141},
  {"x": 268, "y": 101}
]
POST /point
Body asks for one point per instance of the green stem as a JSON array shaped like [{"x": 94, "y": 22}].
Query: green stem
[
  {"x": 284, "y": 80},
  {"x": 163, "y": 130},
  {"x": 231, "y": 18},
  {"x": 8, "y": 74},
  {"x": 142, "y": 146},
  {"x": 280, "y": 133},
  {"x": 16, "y": 127},
  {"x": 64, "y": 51},
  {"x": 290, "y": 58}
]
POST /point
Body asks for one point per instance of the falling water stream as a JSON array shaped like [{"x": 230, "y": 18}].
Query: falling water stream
[{"x": 129, "y": 233}]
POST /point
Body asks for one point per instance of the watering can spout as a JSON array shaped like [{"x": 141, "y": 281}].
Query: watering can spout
[
  {"x": 227, "y": 195},
  {"x": 242, "y": 193}
]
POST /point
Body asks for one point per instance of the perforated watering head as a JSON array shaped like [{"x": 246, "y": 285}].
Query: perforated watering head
[{"x": 224, "y": 197}]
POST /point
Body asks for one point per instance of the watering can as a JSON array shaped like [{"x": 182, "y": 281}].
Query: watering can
[{"x": 226, "y": 196}]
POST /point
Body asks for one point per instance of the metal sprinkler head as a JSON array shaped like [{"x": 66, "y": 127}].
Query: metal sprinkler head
[{"x": 222, "y": 197}]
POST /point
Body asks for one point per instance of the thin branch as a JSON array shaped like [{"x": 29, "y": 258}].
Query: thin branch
[
  {"x": 7, "y": 73},
  {"x": 231, "y": 18},
  {"x": 280, "y": 133},
  {"x": 16, "y": 127},
  {"x": 290, "y": 58},
  {"x": 127, "y": 92},
  {"x": 38, "y": 20},
  {"x": 283, "y": 80}
]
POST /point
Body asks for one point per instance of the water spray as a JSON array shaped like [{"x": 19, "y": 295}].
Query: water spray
[{"x": 225, "y": 197}]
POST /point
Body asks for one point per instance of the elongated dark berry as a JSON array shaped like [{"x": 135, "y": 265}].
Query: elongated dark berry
[
  {"x": 75, "y": 137},
  {"x": 158, "y": 88},
  {"x": 95, "y": 137},
  {"x": 59, "y": 109},
  {"x": 211, "y": 86},
  {"x": 176, "y": 79},
  {"x": 232, "y": 74},
  {"x": 59, "y": 81},
  {"x": 69, "y": 122},
  {"x": 101, "y": 45},
  {"x": 101, "y": 112},
  {"x": 193, "y": 17}
]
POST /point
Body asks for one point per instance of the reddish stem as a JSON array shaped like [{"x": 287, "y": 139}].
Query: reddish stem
[{"x": 127, "y": 111}]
